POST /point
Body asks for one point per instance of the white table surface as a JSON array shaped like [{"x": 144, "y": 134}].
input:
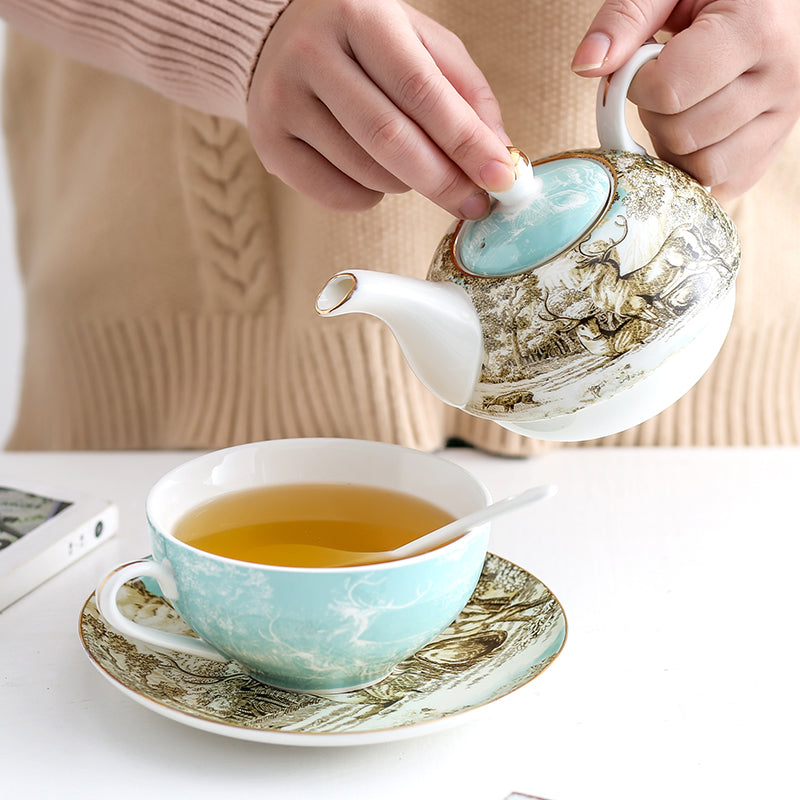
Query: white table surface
[{"x": 678, "y": 573}]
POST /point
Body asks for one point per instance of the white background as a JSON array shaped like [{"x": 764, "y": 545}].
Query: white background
[
  {"x": 10, "y": 299},
  {"x": 677, "y": 571}
]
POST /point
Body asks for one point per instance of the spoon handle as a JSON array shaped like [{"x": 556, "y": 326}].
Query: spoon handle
[{"x": 450, "y": 531}]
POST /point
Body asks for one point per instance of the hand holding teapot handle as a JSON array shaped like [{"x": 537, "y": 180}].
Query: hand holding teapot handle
[
  {"x": 612, "y": 129},
  {"x": 612, "y": 93}
]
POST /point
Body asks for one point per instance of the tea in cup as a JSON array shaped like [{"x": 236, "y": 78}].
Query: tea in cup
[{"x": 260, "y": 600}]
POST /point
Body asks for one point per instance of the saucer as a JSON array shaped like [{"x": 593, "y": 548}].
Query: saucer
[{"x": 512, "y": 628}]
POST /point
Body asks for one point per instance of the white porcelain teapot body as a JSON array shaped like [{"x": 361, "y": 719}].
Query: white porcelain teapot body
[{"x": 595, "y": 294}]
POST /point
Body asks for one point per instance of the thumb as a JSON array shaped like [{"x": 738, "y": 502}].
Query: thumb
[{"x": 620, "y": 27}]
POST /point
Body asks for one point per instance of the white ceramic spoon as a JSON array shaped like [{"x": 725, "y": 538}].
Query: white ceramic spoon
[{"x": 337, "y": 557}]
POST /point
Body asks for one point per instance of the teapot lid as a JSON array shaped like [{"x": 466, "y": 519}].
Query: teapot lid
[
  {"x": 551, "y": 207},
  {"x": 556, "y": 202}
]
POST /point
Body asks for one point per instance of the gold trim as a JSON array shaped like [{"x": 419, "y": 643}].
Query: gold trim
[
  {"x": 594, "y": 157},
  {"x": 341, "y": 301},
  {"x": 114, "y": 571},
  {"x": 516, "y": 156},
  {"x": 600, "y": 217}
]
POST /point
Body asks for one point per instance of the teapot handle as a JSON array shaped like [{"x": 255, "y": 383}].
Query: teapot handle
[{"x": 612, "y": 93}]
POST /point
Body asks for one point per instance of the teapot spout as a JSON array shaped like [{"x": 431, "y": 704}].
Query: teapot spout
[{"x": 434, "y": 323}]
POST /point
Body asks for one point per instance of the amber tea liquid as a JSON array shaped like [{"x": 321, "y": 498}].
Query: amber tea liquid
[{"x": 266, "y": 525}]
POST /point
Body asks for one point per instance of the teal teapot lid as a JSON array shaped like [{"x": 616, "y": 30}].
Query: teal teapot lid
[{"x": 551, "y": 207}]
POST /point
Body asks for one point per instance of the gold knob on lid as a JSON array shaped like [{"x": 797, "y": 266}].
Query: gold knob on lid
[{"x": 517, "y": 157}]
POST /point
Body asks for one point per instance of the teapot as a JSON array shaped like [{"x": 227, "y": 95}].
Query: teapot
[{"x": 597, "y": 291}]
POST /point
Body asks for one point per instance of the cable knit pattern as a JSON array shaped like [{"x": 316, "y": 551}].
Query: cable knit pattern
[
  {"x": 170, "y": 282},
  {"x": 226, "y": 201}
]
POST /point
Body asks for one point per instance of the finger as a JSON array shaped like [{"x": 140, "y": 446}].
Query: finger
[
  {"x": 318, "y": 128},
  {"x": 397, "y": 143},
  {"x": 452, "y": 58},
  {"x": 710, "y": 121},
  {"x": 302, "y": 168},
  {"x": 735, "y": 164},
  {"x": 618, "y": 29},
  {"x": 408, "y": 75},
  {"x": 680, "y": 77}
]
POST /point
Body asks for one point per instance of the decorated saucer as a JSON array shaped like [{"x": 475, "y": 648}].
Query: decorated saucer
[{"x": 512, "y": 628}]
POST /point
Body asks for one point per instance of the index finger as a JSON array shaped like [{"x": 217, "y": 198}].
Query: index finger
[{"x": 408, "y": 74}]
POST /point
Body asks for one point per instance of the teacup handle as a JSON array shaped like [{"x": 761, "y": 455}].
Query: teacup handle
[
  {"x": 612, "y": 129},
  {"x": 106, "y": 599}
]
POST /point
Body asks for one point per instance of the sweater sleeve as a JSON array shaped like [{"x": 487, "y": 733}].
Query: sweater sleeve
[{"x": 200, "y": 53}]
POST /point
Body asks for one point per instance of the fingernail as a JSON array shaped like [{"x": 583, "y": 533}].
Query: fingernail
[
  {"x": 497, "y": 176},
  {"x": 592, "y": 52},
  {"x": 475, "y": 207}
]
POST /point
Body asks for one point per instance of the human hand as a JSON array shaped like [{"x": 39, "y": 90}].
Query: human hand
[
  {"x": 353, "y": 99},
  {"x": 723, "y": 94}
]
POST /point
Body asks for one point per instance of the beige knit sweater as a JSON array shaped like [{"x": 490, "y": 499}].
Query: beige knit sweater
[{"x": 170, "y": 282}]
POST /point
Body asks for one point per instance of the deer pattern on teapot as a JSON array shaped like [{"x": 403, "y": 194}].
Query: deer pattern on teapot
[{"x": 661, "y": 252}]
